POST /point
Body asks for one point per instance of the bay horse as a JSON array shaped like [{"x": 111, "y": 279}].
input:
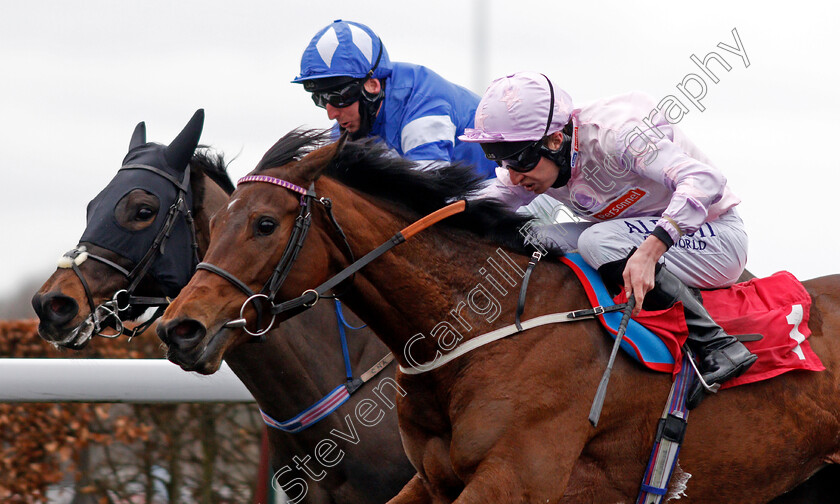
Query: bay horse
[
  {"x": 286, "y": 373},
  {"x": 506, "y": 422}
]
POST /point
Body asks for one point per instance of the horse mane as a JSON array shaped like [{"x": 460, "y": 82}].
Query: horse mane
[
  {"x": 292, "y": 147},
  {"x": 211, "y": 163},
  {"x": 370, "y": 167}
]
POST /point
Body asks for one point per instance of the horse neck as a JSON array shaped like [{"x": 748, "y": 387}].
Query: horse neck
[
  {"x": 301, "y": 360},
  {"x": 212, "y": 198},
  {"x": 415, "y": 286},
  {"x": 299, "y": 363}
]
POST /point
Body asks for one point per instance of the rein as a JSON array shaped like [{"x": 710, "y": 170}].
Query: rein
[
  {"x": 342, "y": 393},
  {"x": 125, "y": 298},
  {"x": 311, "y": 296}
]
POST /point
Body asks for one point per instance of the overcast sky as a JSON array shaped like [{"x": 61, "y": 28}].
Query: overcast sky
[{"x": 76, "y": 77}]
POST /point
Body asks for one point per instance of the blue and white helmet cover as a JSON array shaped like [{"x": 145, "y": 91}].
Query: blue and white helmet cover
[{"x": 344, "y": 49}]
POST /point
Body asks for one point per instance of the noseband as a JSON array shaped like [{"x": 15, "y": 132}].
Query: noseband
[{"x": 125, "y": 298}]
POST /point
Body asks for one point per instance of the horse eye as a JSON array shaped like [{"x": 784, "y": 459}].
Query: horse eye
[
  {"x": 266, "y": 226},
  {"x": 144, "y": 214}
]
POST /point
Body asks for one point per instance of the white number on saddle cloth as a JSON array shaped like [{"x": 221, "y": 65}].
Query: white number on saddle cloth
[{"x": 795, "y": 318}]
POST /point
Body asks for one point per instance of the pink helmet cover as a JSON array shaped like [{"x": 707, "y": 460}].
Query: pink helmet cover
[{"x": 514, "y": 108}]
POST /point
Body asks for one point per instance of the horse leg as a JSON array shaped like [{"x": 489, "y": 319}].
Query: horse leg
[
  {"x": 519, "y": 475},
  {"x": 414, "y": 492},
  {"x": 493, "y": 482}
]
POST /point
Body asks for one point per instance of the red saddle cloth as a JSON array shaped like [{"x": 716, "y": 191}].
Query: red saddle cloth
[{"x": 777, "y": 307}]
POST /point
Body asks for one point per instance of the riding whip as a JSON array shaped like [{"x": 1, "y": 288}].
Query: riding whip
[{"x": 598, "y": 402}]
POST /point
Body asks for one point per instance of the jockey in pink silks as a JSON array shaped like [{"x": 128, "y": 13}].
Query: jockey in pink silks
[{"x": 659, "y": 216}]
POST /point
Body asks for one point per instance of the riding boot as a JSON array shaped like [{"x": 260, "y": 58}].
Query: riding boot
[{"x": 720, "y": 356}]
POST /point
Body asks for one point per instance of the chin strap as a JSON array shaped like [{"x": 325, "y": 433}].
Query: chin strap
[
  {"x": 368, "y": 110},
  {"x": 562, "y": 157}
]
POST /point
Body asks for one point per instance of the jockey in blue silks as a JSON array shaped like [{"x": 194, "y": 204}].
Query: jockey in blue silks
[{"x": 415, "y": 111}]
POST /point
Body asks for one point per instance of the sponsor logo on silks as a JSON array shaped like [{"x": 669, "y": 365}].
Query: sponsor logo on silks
[
  {"x": 620, "y": 204},
  {"x": 576, "y": 138}
]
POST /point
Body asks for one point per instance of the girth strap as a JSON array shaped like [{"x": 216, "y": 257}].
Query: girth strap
[
  {"x": 670, "y": 433},
  {"x": 504, "y": 332}
]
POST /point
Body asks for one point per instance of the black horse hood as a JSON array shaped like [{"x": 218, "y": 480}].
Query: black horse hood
[{"x": 162, "y": 171}]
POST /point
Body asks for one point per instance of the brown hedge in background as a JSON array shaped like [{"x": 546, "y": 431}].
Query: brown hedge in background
[{"x": 112, "y": 450}]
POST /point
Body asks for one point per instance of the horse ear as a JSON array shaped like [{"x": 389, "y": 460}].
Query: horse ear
[
  {"x": 181, "y": 150},
  {"x": 324, "y": 158},
  {"x": 340, "y": 144},
  {"x": 138, "y": 138}
]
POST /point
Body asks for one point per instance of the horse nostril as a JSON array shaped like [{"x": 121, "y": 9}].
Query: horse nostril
[
  {"x": 55, "y": 308},
  {"x": 36, "y": 304},
  {"x": 185, "y": 332}
]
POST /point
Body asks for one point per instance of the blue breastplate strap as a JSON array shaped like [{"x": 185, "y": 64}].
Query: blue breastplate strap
[{"x": 339, "y": 395}]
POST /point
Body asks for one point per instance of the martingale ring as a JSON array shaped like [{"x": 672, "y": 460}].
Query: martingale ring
[
  {"x": 317, "y": 297},
  {"x": 242, "y": 316}
]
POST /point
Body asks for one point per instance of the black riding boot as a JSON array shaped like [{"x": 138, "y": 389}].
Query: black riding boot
[{"x": 720, "y": 356}]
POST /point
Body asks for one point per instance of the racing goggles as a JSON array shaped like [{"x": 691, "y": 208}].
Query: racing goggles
[
  {"x": 341, "y": 97},
  {"x": 520, "y": 157}
]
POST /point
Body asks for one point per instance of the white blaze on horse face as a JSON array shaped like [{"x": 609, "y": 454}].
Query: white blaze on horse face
[{"x": 230, "y": 205}]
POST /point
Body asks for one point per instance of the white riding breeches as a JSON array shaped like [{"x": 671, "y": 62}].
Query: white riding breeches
[{"x": 713, "y": 256}]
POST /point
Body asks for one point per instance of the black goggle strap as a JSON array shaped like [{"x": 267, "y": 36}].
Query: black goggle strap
[
  {"x": 378, "y": 57},
  {"x": 547, "y": 127},
  {"x": 550, "y": 106}
]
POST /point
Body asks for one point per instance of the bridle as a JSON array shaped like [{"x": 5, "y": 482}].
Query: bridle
[
  {"x": 272, "y": 286},
  {"x": 311, "y": 296},
  {"x": 342, "y": 393},
  {"x": 124, "y": 299}
]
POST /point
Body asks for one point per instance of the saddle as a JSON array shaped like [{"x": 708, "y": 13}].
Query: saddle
[{"x": 777, "y": 307}]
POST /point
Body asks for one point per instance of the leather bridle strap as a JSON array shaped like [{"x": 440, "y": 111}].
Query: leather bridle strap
[
  {"x": 290, "y": 253},
  {"x": 178, "y": 207},
  {"x": 239, "y": 284},
  {"x": 295, "y": 243},
  {"x": 311, "y": 296},
  {"x": 138, "y": 272}
]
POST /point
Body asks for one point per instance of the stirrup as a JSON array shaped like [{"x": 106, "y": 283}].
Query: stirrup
[{"x": 711, "y": 389}]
